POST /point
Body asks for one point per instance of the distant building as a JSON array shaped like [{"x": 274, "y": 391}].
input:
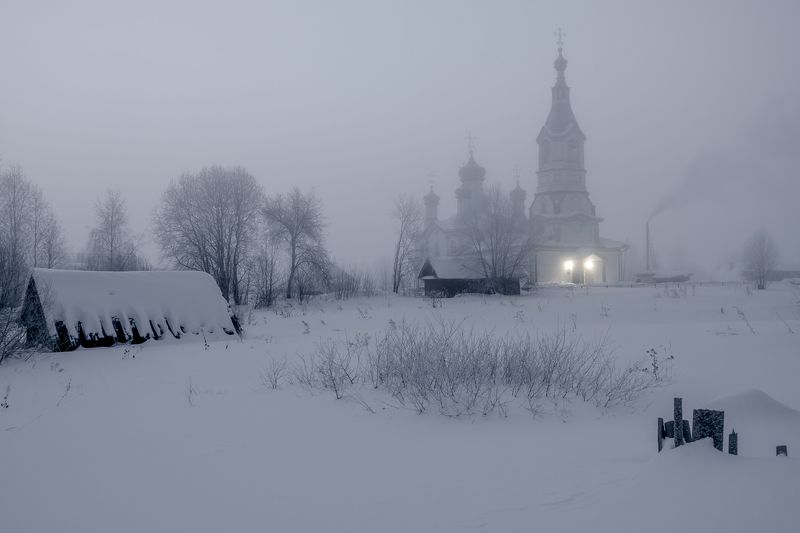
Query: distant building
[
  {"x": 566, "y": 229},
  {"x": 448, "y": 276},
  {"x": 565, "y": 242},
  {"x": 448, "y": 237}
]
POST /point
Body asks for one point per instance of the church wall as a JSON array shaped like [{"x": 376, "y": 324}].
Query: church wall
[
  {"x": 549, "y": 267},
  {"x": 436, "y": 243},
  {"x": 444, "y": 243},
  {"x": 577, "y": 233},
  {"x": 611, "y": 263}
]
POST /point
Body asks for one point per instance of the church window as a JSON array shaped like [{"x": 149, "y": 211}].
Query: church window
[{"x": 572, "y": 152}]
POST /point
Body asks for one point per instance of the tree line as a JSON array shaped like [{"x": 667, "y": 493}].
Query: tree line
[
  {"x": 218, "y": 220},
  {"x": 257, "y": 247}
]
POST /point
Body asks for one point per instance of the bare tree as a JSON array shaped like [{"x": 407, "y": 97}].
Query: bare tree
[
  {"x": 53, "y": 250},
  {"x": 349, "y": 282},
  {"x": 266, "y": 272},
  {"x": 499, "y": 239},
  {"x": 15, "y": 232},
  {"x": 39, "y": 214},
  {"x": 12, "y": 335},
  {"x": 111, "y": 244},
  {"x": 296, "y": 220},
  {"x": 208, "y": 221},
  {"x": 22, "y": 208},
  {"x": 760, "y": 258},
  {"x": 408, "y": 214},
  {"x": 47, "y": 240}
]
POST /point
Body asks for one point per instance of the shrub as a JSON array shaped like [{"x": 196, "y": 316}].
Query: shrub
[{"x": 459, "y": 371}]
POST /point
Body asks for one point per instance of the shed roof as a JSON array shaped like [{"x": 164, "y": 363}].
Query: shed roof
[{"x": 182, "y": 300}]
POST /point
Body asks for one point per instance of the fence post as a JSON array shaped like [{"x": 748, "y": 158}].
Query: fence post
[
  {"x": 733, "y": 443},
  {"x": 678, "y": 406}
]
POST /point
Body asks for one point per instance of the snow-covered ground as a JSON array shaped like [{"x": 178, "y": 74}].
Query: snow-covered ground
[{"x": 171, "y": 436}]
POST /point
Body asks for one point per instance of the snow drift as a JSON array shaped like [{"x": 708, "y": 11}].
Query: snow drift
[{"x": 761, "y": 421}]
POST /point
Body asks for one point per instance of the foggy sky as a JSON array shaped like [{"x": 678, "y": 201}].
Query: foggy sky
[{"x": 690, "y": 104}]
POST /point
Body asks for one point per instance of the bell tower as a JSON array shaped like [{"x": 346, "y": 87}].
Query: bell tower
[{"x": 562, "y": 211}]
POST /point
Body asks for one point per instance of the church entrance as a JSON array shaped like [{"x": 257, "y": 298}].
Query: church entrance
[{"x": 593, "y": 269}]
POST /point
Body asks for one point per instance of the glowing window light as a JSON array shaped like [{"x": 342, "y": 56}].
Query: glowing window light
[
  {"x": 589, "y": 264},
  {"x": 569, "y": 265}
]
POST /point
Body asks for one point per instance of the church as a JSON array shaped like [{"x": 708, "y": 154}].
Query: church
[{"x": 563, "y": 242}]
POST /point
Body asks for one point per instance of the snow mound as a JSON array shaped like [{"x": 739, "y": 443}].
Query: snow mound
[
  {"x": 755, "y": 403},
  {"x": 761, "y": 421}
]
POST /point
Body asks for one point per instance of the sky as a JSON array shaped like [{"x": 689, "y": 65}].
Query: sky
[{"x": 690, "y": 106}]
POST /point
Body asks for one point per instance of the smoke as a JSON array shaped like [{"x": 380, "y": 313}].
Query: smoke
[
  {"x": 763, "y": 163},
  {"x": 711, "y": 175}
]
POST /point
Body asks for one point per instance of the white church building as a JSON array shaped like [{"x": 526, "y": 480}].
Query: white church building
[{"x": 566, "y": 245}]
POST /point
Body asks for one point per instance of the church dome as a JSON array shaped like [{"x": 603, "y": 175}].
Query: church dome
[
  {"x": 472, "y": 171},
  {"x": 560, "y": 63},
  {"x": 431, "y": 198},
  {"x": 518, "y": 192}
]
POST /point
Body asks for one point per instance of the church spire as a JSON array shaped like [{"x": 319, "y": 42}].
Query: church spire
[
  {"x": 561, "y": 118},
  {"x": 560, "y": 140},
  {"x": 560, "y": 90}
]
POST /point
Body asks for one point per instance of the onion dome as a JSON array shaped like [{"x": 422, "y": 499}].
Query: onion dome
[
  {"x": 431, "y": 198},
  {"x": 518, "y": 193},
  {"x": 560, "y": 63},
  {"x": 472, "y": 171}
]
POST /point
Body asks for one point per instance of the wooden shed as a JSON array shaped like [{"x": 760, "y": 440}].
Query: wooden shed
[
  {"x": 448, "y": 276},
  {"x": 64, "y": 309}
]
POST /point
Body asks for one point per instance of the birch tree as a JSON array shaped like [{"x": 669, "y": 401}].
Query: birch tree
[{"x": 408, "y": 214}]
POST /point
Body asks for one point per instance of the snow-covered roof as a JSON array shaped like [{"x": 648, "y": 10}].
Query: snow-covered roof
[{"x": 183, "y": 301}]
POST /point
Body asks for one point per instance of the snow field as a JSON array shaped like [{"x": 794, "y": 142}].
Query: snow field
[{"x": 174, "y": 437}]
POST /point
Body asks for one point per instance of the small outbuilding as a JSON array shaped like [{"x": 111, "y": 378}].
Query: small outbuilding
[
  {"x": 447, "y": 276},
  {"x": 64, "y": 309}
]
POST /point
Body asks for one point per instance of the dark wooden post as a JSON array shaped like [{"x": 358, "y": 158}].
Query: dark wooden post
[
  {"x": 678, "y": 407},
  {"x": 687, "y": 431},
  {"x": 709, "y": 423},
  {"x": 660, "y": 434},
  {"x": 733, "y": 443}
]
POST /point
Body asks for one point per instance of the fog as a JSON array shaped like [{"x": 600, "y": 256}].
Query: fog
[{"x": 692, "y": 110}]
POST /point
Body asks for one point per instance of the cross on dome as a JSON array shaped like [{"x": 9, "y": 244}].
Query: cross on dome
[
  {"x": 470, "y": 143},
  {"x": 560, "y": 38}
]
